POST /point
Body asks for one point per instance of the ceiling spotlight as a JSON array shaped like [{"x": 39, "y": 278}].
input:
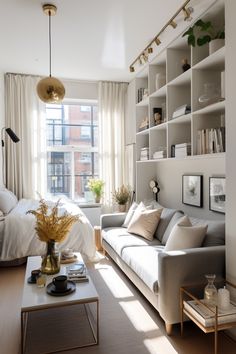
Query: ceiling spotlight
[
  {"x": 187, "y": 13},
  {"x": 131, "y": 69},
  {"x": 157, "y": 41},
  {"x": 173, "y": 24},
  {"x": 50, "y": 89},
  {"x": 150, "y": 50}
]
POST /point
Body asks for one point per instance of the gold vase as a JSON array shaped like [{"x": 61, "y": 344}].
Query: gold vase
[{"x": 51, "y": 260}]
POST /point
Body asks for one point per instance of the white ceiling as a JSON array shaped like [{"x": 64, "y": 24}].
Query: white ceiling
[{"x": 91, "y": 39}]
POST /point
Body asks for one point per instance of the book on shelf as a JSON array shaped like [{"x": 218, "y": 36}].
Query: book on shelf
[
  {"x": 182, "y": 150},
  {"x": 181, "y": 111},
  {"x": 159, "y": 154},
  {"x": 211, "y": 140},
  {"x": 206, "y": 316}
]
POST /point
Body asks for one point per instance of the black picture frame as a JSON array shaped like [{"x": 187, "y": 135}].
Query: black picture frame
[
  {"x": 192, "y": 193},
  {"x": 217, "y": 194}
]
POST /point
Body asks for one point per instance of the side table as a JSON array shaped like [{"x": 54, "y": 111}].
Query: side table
[
  {"x": 98, "y": 238},
  {"x": 208, "y": 318}
]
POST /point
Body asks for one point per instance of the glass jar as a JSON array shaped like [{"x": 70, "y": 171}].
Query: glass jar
[
  {"x": 210, "y": 94},
  {"x": 210, "y": 291},
  {"x": 51, "y": 260}
]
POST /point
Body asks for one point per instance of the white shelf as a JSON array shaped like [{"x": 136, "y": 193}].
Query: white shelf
[
  {"x": 143, "y": 132},
  {"x": 161, "y": 126},
  {"x": 159, "y": 93},
  {"x": 182, "y": 79},
  {"x": 215, "y": 61},
  {"x": 212, "y": 108},
  {"x": 143, "y": 103},
  {"x": 182, "y": 119}
]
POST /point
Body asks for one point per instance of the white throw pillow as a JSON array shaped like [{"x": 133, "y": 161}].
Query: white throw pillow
[
  {"x": 8, "y": 201},
  {"x": 130, "y": 214},
  {"x": 184, "y": 235},
  {"x": 144, "y": 222}
]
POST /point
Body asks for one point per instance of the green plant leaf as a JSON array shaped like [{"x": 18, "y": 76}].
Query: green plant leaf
[
  {"x": 191, "y": 40},
  {"x": 203, "y": 40},
  {"x": 188, "y": 32}
]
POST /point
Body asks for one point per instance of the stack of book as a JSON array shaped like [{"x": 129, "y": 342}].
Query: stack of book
[
  {"x": 182, "y": 110},
  {"x": 144, "y": 154},
  {"x": 210, "y": 141},
  {"x": 160, "y": 154},
  {"x": 182, "y": 150},
  {"x": 77, "y": 272},
  {"x": 140, "y": 94}
]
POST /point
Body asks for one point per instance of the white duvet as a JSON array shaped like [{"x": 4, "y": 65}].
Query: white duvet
[{"x": 19, "y": 238}]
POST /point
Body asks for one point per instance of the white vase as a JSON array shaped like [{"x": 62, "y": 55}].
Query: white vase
[
  {"x": 216, "y": 44},
  {"x": 122, "y": 208}
]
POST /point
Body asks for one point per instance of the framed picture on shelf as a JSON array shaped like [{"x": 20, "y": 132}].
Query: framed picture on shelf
[
  {"x": 217, "y": 194},
  {"x": 192, "y": 190}
]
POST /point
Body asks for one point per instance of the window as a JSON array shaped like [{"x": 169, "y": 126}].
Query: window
[{"x": 72, "y": 149}]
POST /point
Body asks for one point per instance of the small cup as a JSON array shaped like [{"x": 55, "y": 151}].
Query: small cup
[
  {"x": 41, "y": 281},
  {"x": 60, "y": 282},
  {"x": 35, "y": 273},
  {"x": 68, "y": 253}
]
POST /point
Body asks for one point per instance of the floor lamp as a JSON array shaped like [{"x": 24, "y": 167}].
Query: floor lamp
[{"x": 15, "y": 139}]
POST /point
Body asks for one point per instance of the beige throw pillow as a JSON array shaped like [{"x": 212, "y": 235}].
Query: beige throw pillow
[
  {"x": 144, "y": 222},
  {"x": 184, "y": 235}
]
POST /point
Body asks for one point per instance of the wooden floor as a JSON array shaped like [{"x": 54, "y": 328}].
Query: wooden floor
[{"x": 128, "y": 323}]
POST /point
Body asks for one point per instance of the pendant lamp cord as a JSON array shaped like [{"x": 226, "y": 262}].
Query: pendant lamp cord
[{"x": 50, "y": 44}]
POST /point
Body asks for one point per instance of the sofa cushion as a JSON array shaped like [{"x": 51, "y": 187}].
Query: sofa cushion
[
  {"x": 144, "y": 262},
  {"x": 166, "y": 216},
  {"x": 175, "y": 218},
  {"x": 144, "y": 222},
  {"x": 130, "y": 214},
  {"x": 119, "y": 238},
  {"x": 184, "y": 235},
  {"x": 215, "y": 235}
]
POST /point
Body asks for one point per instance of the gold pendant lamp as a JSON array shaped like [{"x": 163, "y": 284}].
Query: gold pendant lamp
[{"x": 50, "y": 89}]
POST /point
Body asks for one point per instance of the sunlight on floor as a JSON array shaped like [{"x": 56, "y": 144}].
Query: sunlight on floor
[
  {"x": 139, "y": 317},
  {"x": 114, "y": 282},
  {"x": 159, "y": 345}
]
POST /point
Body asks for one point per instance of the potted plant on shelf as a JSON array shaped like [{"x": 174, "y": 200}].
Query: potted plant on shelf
[
  {"x": 96, "y": 185},
  {"x": 203, "y": 32},
  {"x": 121, "y": 196}
]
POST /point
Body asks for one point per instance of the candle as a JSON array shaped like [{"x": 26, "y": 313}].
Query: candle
[{"x": 223, "y": 298}]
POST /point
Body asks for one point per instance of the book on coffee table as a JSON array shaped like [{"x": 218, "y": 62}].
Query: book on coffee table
[{"x": 77, "y": 272}]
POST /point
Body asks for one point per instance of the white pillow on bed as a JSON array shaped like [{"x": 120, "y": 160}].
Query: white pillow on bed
[{"x": 8, "y": 201}]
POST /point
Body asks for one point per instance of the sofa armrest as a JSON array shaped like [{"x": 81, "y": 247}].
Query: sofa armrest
[
  {"x": 185, "y": 267},
  {"x": 112, "y": 220}
]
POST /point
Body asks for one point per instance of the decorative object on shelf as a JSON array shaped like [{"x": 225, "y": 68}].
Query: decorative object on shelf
[
  {"x": 154, "y": 187},
  {"x": 185, "y": 64},
  {"x": 217, "y": 194},
  {"x": 144, "y": 154},
  {"x": 140, "y": 94},
  {"x": 145, "y": 94},
  {"x": 211, "y": 94},
  {"x": 160, "y": 154},
  {"x": 160, "y": 80},
  {"x": 143, "y": 56},
  {"x": 51, "y": 228},
  {"x": 96, "y": 186},
  {"x": 210, "y": 35},
  {"x": 182, "y": 150},
  {"x": 192, "y": 190},
  {"x": 181, "y": 111},
  {"x": 50, "y": 89},
  {"x": 223, "y": 299},
  {"x": 144, "y": 124},
  {"x": 157, "y": 115},
  {"x": 122, "y": 196},
  {"x": 210, "y": 291}
]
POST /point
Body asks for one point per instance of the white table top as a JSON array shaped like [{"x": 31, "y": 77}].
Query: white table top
[{"x": 34, "y": 298}]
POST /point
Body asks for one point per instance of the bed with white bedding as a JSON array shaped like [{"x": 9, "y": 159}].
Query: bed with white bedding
[{"x": 18, "y": 237}]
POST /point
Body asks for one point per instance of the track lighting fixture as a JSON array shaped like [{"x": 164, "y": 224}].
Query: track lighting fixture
[{"x": 143, "y": 57}]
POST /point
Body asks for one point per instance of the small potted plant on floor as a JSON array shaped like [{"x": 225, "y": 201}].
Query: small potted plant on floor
[
  {"x": 203, "y": 32},
  {"x": 122, "y": 196},
  {"x": 96, "y": 185}
]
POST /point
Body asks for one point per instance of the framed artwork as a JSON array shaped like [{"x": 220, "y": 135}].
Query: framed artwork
[
  {"x": 217, "y": 194},
  {"x": 192, "y": 190}
]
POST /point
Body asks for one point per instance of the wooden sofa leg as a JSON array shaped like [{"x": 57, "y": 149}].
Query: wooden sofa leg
[{"x": 169, "y": 327}]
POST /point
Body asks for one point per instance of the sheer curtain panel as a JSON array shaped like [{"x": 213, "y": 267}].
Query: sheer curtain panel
[
  {"x": 111, "y": 104},
  {"x": 25, "y": 115}
]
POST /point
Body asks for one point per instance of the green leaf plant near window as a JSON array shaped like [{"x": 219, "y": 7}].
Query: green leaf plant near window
[
  {"x": 203, "y": 32},
  {"x": 96, "y": 186},
  {"x": 122, "y": 196}
]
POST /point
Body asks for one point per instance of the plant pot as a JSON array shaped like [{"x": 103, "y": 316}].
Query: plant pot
[
  {"x": 122, "y": 208},
  {"x": 216, "y": 44},
  {"x": 97, "y": 199}
]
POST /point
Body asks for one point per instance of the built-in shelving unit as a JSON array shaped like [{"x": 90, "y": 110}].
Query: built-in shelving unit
[{"x": 169, "y": 87}]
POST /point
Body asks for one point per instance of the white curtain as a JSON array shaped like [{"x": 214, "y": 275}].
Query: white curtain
[
  {"x": 111, "y": 104},
  {"x": 25, "y": 115}
]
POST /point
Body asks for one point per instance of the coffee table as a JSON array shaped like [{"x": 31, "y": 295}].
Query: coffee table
[{"x": 50, "y": 324}]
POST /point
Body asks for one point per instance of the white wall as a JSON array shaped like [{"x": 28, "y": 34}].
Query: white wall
[
  {"x": 169, "y": 177},
  {"x": 231, "y": 146},
  {"x": 2, "y": 117}
]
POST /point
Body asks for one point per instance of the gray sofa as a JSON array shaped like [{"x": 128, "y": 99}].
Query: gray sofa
[{"x": 159, "y": 274}]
